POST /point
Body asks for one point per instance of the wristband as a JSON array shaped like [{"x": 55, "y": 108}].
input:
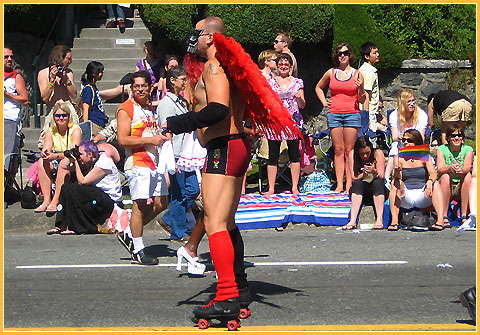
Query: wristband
[
  {"x": 164, "y": 130},
  {"x": 51, "y": 84}
]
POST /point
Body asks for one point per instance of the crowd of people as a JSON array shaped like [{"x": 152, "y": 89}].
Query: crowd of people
[{"x": 177, "y": 137}]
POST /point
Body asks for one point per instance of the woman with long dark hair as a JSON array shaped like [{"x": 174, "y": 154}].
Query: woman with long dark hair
[
  {"x": 92, "y": 106},
  {"x": 368, "y": 181}
]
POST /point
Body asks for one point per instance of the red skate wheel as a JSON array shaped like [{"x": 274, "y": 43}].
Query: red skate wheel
[
  {"x": 202, "y": 324},
  {"x": 233, "y": 324},
  {"x": 244, "y": 313}
]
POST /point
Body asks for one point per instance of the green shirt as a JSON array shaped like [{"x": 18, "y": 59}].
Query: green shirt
[{"x": 454, "y": 156}]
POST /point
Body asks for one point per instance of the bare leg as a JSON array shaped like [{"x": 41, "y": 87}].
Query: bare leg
[
  {"x": 465, "y": 188},
  {"x": 295, "y": 171},
  {"x": 437, "y": 199},
  {"x": 63, "y": 175},
  {"x": 356, "y": 203},
  {"x": 44, "y": 176},
  {"x": 445, "y": 185},
  {"x": 271, "y": 176},
  {"x": 197, "y": 234},
  {"x": 389, "y": 168},
  {"x": 396, "y": 193},
  {"x": 339, "y": 158},
  {"x": 379, "y": 201},
  {"x": 349, "y": 138}
]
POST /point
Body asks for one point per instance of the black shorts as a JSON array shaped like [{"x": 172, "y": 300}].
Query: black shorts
[{"x": 368, "y": 190}]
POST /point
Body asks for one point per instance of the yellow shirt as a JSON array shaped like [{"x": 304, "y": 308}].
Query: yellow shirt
[{"x": 61, "y": 143}]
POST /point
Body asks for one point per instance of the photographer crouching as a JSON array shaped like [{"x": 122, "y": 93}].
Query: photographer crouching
[{"x": 88, "y": 202}]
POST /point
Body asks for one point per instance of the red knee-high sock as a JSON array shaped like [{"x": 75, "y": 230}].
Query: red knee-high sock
[{"x": 223, "y": 257}]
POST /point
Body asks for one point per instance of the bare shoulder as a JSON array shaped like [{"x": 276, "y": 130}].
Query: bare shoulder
[{"x": 212, "y": 68}]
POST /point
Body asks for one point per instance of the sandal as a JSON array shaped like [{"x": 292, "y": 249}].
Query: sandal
[
  {"x": 393, "y": 227},
  {"x": 51, "y": 209},
  {"x": 54, "y": 231},
  {"x": 40, "y": 209},
  {"x": 446, "y": 222},
  {"x": 68, "y": 232},
  {"x": 464, "y": 218},
  {"x": 437, "y": 227},
  {"x": 349, "y": 226},
  {"x": 379, "y": 227}
]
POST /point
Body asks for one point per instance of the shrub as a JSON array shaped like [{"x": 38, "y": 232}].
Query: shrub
[
  {"x": 353, "y": 25},
  {"x": 429, "y": 31},
  {"x": 249, "y": 24},
  {"x": 31, "y": 19}
]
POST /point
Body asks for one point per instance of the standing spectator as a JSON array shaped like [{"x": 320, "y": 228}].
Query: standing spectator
[
  {"x": 407, "y": 116},
  {"x": 116, "y": 16},
  {"x": 267, "y": 61},
  {"x": 184, "y": 184},
  {"x": 368, "y": 181},
  {"x": 63, "y": 134},
  {"x": 370, "y": 55},
  {"x": 290, "y": 90},
  {"x": 453, "y": 107},
  {"x": 454, "y": 162},
  {"x": 152, "y": 64},
  {"x": 415, "y": 184},
  {"x": 170, "y": 61},
  {"x": 92, "y": 98},
  {"x": 282, "y": 44},
  {"x": 344, "y": 121},
  {"x": 98, "y": 188},
  {"x": 138, "y": 132},
  {"x": 56, "y": 83},
  {"x": 15, "y": 95}
]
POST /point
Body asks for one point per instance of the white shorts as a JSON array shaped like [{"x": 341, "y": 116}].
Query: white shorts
[
  {"x": 146, "y": 183},
  {"x": 415, "y": 198}
]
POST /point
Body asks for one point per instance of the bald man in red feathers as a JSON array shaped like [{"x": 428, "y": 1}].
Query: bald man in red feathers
[{"x": 218, "y": 112}]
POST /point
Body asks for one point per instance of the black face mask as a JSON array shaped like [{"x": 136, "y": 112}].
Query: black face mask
[{"x": 192, "y": 42}]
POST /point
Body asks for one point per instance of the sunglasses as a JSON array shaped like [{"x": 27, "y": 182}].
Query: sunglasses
[
  {"x": 407, "y": 140},
  {"x": 60, "y": 115},
  {"x": 273, "y": 59},
  {"x": 344, "y": 53},
  {"x": 277, "y": 41},
  {"x": 7, "y": 56},
  {"x": 456, "y": 135}
]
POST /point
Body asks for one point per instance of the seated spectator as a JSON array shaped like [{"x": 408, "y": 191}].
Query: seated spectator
[
  {"x": 368, "y": 181},
  {"x": 415, "y": 184},
  {"x": 382, "y": 122},
  {"x": 290, "y": 90},
  {"x": 97, "y": 189},
  {"x": 267, "y": 62},
  {"x": 454, "y": 162},
  {"x": 407, "y": 116},
  {"x": 63, "y": 134},
  {"x": 153, "y": 65}
]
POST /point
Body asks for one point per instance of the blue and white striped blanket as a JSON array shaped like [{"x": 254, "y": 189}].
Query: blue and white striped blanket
[{"x": 256, "y": 211}]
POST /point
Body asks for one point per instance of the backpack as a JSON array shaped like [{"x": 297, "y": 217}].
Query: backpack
[
  {"x": 317, "y": 181},
  {"x": 28, "y": 198},
  {"x": 417, "y": 221}
]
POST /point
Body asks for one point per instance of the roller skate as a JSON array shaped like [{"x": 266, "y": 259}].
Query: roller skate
[
  {"x": 226, "y": 310},
  {"x": 244, "y": 301}
]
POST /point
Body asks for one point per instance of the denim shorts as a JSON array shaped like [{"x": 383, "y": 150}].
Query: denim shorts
[{"x": 344, "y": 120}]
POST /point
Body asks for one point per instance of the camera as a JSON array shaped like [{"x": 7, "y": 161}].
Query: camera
[
  {"x": 60, "y": 68},
  {"x": 71, "y": 153}
]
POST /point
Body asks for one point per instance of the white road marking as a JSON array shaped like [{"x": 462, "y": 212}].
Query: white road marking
[{"x": 174, "y": 265}]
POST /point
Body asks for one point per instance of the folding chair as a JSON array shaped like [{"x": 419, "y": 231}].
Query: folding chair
[{"x": 283, "y": 161}]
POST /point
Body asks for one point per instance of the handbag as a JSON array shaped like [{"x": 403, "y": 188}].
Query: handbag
[{"x": 28, "y": 198}]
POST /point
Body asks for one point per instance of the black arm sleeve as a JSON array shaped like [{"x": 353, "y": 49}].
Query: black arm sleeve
[{"x": 212, "y": 113}]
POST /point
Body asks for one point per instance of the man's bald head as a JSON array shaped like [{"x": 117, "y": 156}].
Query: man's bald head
[{"x": 213, "y": 24}]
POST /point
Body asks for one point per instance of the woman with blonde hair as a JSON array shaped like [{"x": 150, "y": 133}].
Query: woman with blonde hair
[
  {"x": 407, "y": 116},
  {"x": 63, "y": 134}
]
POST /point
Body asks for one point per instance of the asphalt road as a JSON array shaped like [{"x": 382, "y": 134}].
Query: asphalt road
[{"x": 306, "y": 275}]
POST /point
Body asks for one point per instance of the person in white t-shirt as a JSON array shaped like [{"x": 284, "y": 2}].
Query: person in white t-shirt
[
  {"x": 370, "y": 55},
  {"x": 407, "y": 116},
  {"x": 89, "y": 202}
]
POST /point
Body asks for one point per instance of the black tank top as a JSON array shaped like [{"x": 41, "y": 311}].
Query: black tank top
[{"x": 414, "y": 178}]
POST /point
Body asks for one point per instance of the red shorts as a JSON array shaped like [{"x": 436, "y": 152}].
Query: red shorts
[{"x": 228, "y": 155}]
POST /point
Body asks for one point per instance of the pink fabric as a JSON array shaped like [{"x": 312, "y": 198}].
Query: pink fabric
[
  {"x": 33, "y": 176},
  {"x": 308, "y": 152}
]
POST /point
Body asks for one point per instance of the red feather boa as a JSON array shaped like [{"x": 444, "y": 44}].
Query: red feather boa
[{"x": 262, "y": 104}]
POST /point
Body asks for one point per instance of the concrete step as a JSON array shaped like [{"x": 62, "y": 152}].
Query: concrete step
[
  {"x": 96, "y": 53},
  {"x": 79, "y": 65},
  {"x": 121, "y": 43},
  {"x": 100, "y": 22},
  {"x": 134, "y": 32}
]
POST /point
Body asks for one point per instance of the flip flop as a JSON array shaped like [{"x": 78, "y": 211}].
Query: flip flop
[
  {"x": 377, "y": 227},
  {"x": 54, "y": 231},
  {"x": 393, "y": 227},
  {"x": 349, "y": 227},
  {"x": 68, "y": 232},
  {"x": 40, "y": 209},
  {"x": 51, "y": 209}
]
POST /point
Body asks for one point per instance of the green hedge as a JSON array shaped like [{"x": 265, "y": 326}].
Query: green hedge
[
  {"x": 249, "y": 24},
  {"x": 353, "y": 25},
  {"x": 429, "y": 31},
  {"x": 31, "y": 19}
]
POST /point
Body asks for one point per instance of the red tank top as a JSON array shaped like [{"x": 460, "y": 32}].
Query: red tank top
[{"x": 344, "y": 94}]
